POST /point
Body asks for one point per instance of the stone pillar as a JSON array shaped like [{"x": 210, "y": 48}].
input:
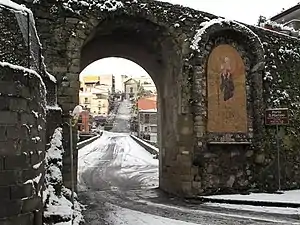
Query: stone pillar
[{"x": 22, "y": 145}]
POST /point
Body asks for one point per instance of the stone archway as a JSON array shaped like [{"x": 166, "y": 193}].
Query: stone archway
[{"x": 158, "y": 51}]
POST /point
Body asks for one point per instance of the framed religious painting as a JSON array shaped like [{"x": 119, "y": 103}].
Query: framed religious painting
[{"x": 227, "y": 107}]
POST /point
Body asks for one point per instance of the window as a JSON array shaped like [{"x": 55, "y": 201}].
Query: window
[
  {"x": 147, "y": 118},
  {"x": 86, "y": 100},
  {"x": 153, "y": 129},
  {"x": 131, "y": 89},
  {"x": 146, "y": 129}
]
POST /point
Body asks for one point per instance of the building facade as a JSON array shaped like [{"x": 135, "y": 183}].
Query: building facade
[
  {"x": 147, "y": 118},
  {"x": 289, "y": 17},
  {"x": 131, "y": 88},
  {"x": 94, "y": 93},
  {"x": 147, "y": 84}
]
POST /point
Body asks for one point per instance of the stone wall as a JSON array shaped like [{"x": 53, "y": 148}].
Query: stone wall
[
  {"x": 12, "y": 40},
  {"x": 190, "y": 164},
  {"x": 22, "y": 145},
  {"x": 235, "y": 162},
  {"x": 280, "y": 90}
]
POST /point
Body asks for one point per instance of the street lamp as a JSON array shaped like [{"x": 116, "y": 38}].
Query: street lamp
[{"x": 74, "y": 115}]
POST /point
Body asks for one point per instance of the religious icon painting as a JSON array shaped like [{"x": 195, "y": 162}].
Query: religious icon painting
[{"x": 226, "y": 91}]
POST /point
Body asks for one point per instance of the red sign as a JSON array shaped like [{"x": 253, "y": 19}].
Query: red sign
[{"x": 278, "y": 116}]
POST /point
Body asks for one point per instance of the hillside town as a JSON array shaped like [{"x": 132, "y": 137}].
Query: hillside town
[{"x": 99, "y": 95}]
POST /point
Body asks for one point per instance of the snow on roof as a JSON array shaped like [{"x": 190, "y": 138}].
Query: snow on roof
[
  {"x": 148, "y": 110},
  {"x": 131, "y": 79}
]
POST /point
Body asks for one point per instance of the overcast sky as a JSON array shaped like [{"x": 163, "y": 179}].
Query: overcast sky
[{"x": 246, "y": 11}]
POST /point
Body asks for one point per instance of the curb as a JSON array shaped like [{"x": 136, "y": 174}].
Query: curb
[
  {"x": 84, "y": 143},
  {"x": 246, "y": 202},
  {"x": 148, "y": 147}
]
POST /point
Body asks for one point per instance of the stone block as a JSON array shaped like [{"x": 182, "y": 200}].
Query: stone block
[
  {"x": 5, "y": 193},
  {"x": 13, "y": 162},
  {"x": 31, "y": 173},
  {"x": 10, "y": 177},
  {"x": 24, "y": 219},
  {"x": 3, "y": 135},
  {"x": 196, "y": 185},
  {"x": 186, "y": 188},
  {"x": 31, "y": 204},
  {"x": 4, "y": 103},
  {"x": 18, "y": 132},
  {"x": 28, "y": 119},
  {"x": 26, "y": 93},
  {"x": 18, "y": 104},
  {"x": 21, "y": 191},
  {"x": 8, "y": 88},
  {"x": 10, "y": 208},
  {"x": 185, "y": 178},
  {"x": 10, "y": 147},
  {"x": 8, "y": 118}
]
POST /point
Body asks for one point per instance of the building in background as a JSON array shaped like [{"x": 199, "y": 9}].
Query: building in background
[
  {"x": 147, "y": 84},
  {"x": 147, "y": 118},
  {"x": 94, "y": 93},
  {"x": 131, "y": 87},
  {"x": 289, "y": 17}
]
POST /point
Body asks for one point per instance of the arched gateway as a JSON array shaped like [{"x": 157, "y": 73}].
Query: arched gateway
[{"x": 203, "y": 67}]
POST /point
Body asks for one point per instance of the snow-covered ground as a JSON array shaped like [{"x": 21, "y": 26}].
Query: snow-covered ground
[
  {"x": 116, "y": 177},
  {"x": 124, "y": 160},
  {"x": 120, "y": 216}
]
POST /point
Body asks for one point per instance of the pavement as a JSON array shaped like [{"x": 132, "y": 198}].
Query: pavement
[{"x": 118, "y": 183}]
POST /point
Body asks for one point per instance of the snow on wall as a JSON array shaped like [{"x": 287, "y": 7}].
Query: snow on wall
[
  {"x": 58, "y": 207},
  {"x": 207, "y": 24},
  {"x": 25, "y": 70},
  {"x": 23, "y": 14},
  {"x": 278, "y": 72},
  {"x": 15, "y": 6}
]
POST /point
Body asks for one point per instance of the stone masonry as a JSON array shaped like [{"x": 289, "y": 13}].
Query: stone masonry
[
  {"x": 22, "y": 145},
  {"x": 22, "y": 118},
  {"x": 173, "y": 44}
]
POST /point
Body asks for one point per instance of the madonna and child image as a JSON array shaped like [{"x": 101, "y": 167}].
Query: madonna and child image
[{"x": 227, "y": 84}]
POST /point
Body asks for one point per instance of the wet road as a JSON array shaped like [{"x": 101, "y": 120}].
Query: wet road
[{"x": 118, "y": 182}]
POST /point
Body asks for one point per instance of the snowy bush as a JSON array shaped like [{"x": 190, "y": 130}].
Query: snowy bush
[{"x": 57, "y": 198}]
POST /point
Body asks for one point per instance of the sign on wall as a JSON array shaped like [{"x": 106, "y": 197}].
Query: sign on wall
[
  {"x": 226, "y": 91},
  {"x": 277, "y": 116}
]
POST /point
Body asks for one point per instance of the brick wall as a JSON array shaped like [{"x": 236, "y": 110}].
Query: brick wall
[{"x": 22, "y": 146}]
